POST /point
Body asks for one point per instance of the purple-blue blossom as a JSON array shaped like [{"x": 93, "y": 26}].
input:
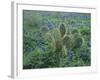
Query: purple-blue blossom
[
  {"x": 50, "y": 25},
  {"x": 88, "y": 44},
  {"x": 70, "y": 55}
]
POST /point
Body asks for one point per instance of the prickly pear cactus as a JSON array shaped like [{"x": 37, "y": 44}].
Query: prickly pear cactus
[
  {"x": 62, "y": 29},
  {"x": 61, "y": 42},
  {"x": 67, "y": 42},
  {"x": 77, "y": 40}
]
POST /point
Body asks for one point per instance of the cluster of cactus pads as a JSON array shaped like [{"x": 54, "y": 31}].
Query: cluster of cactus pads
[{"x": 62, "y": 40}]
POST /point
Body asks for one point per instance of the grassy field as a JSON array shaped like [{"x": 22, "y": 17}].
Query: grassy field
[{"x": 56, "y": 39}]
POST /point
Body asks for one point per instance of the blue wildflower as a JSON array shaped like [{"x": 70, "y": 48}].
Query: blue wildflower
[
  {"x": 28, "y": 49},
  {"x": 36, "y": 35},
  {"x": 70, "y": 55},
  {"x": 81, "y": 53},
  {"x": 83, "y": 33},
  {"x": 50, "y": 25},
  {"x": 80, "y": 43},
  {"x": 88, "y": 44},
  {"x": 38, "y": 44}
]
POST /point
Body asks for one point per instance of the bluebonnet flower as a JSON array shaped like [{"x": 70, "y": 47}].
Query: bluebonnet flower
[
  {"x": 83, "y": 33},
  {"x": 38, "y": 43},
  {"x": 80, "y": 43},
  {"x": 43, "y": 49},
  {"x": 37, "y": 39},
  {"x": 88, "y": 44},
  {"x": 31, "y": 49},
  {"x": 64, "y": 15},
  {"x": 50, "y": 25},
  {"x": 74, "y": 55},
  {"x": 28, "y": 49},
  {"x": 36, "y": 34},
  {"x": 70, "y": 55},
  {"x": 82, "y": 52}
]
